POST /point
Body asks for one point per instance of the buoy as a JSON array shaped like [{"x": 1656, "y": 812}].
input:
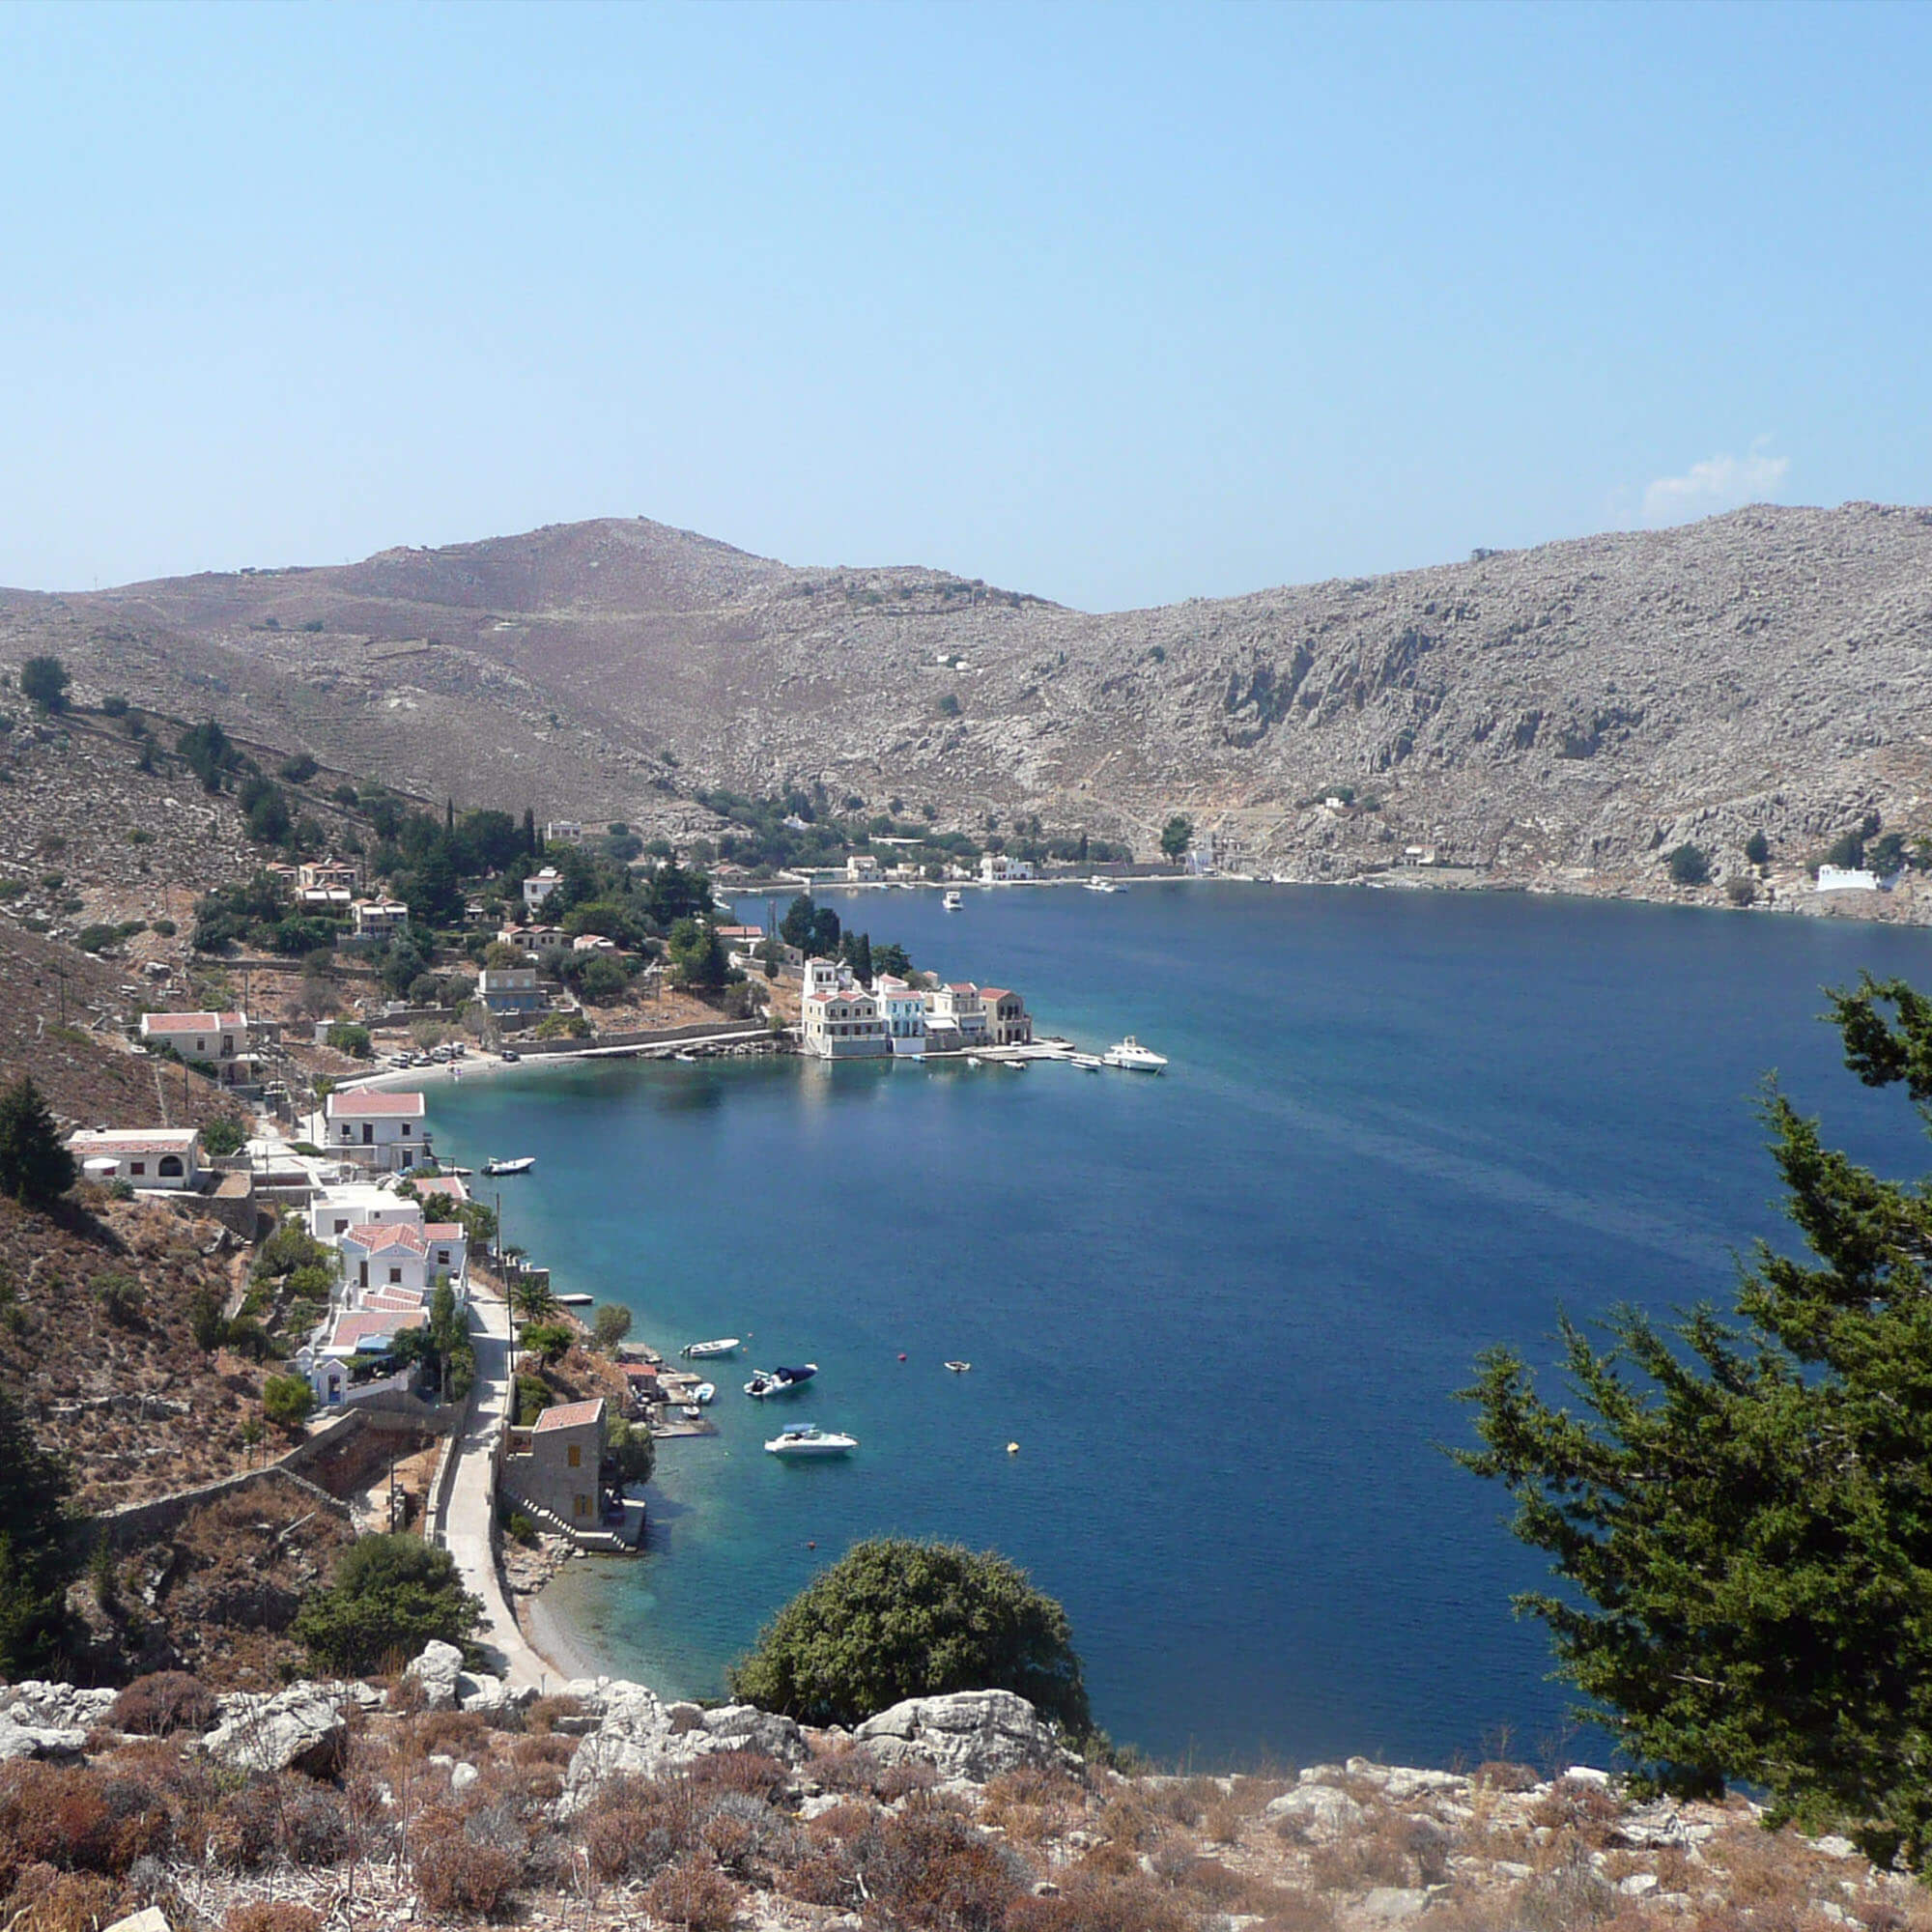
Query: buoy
[
  {"x": 902, "y": 1355},
  {"x": 811, "y": 1546},
  {"x": 1012, "y": 1448}
]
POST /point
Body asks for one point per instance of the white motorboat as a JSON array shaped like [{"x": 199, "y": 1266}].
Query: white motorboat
[
  {"x": 521, "y": 1164},
  {"x": 705, "y": 1394},
  {"x": 953, "y": 902},
  {"x": 691, "y": 1413},
  {"x": 1135, "y": 1058},
  {"x": 959, "y": 1367},
  {"x": 702, "y": 1351},
  {"x": 1088, "y": 1062},
  {"x": 1096, "y": 884},
  {"x": 778, "y": 1381},
  {"x": 810, "y": 1441}
]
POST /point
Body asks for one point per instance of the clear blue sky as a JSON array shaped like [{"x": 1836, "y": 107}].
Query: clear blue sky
[{"x": 1115, "y": 304}]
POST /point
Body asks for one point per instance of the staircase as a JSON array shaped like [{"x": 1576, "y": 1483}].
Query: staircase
[{"x": 599, "y": 1542}]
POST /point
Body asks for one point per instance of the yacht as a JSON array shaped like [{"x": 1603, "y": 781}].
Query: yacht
[
  {"x": 811, "y": 1440},
  {"x": 1135, "y": 1058},
  {"x": 959, "y": 1367},
  {"x": 953, "y": 902},
  {"x": 778, "y": 1381},
  {"x": 695, "y": 1352}
]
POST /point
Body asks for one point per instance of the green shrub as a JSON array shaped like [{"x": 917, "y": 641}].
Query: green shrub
[
  {"x": 114, "y": 707},
  {"x": 533, "y": 1397},
  {"x": 288, "y": 1401},
  {"x": 898, "y": 1619},
  {"x": 224, "y": 1135},
  {"x": 389, "y": 1596},
  {"x": 1688, "y": 865},
  {"x": 119, "y": 1297},
  {"x": 346, "y": 1036},
  {"x": 166, "y": 927}
]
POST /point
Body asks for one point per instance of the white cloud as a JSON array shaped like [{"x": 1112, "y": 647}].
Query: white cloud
[{"x": 1719, "y": 483}]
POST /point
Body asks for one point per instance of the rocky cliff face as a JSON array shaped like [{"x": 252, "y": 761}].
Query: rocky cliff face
[{"x": 1581, "y": 707}]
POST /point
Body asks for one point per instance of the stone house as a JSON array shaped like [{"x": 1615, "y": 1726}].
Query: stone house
[
  {"x": 554, "y": 1466},
  {"x": 382, "y": 1130},
  {"x": 145, "y": 1157},
  {"x": 1008, "y": 1021},
  {"x": 219, "y": 1039}
]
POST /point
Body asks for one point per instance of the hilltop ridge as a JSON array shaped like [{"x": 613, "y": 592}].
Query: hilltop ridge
[{"x": 1560, "y": 714}]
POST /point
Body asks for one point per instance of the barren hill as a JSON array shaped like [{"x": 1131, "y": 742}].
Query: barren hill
[{"x": 1574, "y": 708}]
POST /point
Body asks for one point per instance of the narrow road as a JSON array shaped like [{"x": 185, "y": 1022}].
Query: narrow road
[{"x": 464, "y": 1524}]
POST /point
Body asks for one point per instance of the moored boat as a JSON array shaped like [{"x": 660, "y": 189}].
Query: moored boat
[
  {"x": 959, "y": 1367},
  {"x": 704, "y": 1393},
  {"x": 1135, "y": 1058},
  {"x": 698, "y": 1352},
  {"x": 779, "y": 1381},
  {"x": 1096, "y": 884},
  {"x": 521, "y": 1164},
  {"x": 810, "y": 1441},
  {"x": 953, "y": 902}
]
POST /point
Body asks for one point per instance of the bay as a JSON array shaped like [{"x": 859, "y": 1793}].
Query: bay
[{"x": 1222, "y": 1313}]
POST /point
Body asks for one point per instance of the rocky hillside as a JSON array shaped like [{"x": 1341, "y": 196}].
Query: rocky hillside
[{"x": 1572, "y": 710}]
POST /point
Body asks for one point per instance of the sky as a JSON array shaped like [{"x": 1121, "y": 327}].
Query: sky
[{"x": 1115, "y": 304}]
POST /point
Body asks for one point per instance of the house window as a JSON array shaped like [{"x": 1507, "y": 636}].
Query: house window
[
  {"x": 583, "y": 1504},
  {"x": 442, "y": 1258},
  {"x": 137, "y": 1167},
  {"x": 170, "y": 1167},
  {"x": 396, "y": 1275},
  {"x": 406, "y": 1130},
  {"x": 577, "y": 1455},
  {"x": 342, "y": 1227}
]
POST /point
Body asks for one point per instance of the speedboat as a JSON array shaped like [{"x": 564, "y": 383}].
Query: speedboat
[
  {"x": 959, "y": 1367},
  {"x": 1096, "y": 884},
  {"x": 808, "y": 1441},
  {"x": 953, "y": 902},
  {"x": 1135, "y": 1058},
  {"x": 521, "y": 1164},
  {"x": 703, "y": 1393},
  {"x": 778, "y": 1381},
  {"x": 700, "y": 1351},
  {"x": 1088, "y": 1062}
]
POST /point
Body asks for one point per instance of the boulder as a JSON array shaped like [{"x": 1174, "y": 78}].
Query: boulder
[
  {"x": 41, "y": 1704},
  {"x": 461, "y": 1777},
  {"x": 295, "y": 1730},
  {"x": 150, "y": 1919},
  {"x": 972, "y": 1734},
  {"x": 1319, "y": 1810},
  {"x": 480, "y": 1693},
  {"x": 642, "y": 1736},
  {"x": 19, "y": 1740},
  {"x": 438, "y": 1670}
]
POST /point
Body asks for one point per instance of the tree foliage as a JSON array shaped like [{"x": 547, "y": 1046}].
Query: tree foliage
[
  {"x": 207, "y": 753},
  {"x": 632, "y": 1447},
  {"x": 35, "y": 1560},
  {"x": 1739, "y": 1512},
  {"x": 35, "y": 1166},
  {"x": 898, "y": 1619},
  {"x": 389, "y": 1596},
  {"x": 1687, "y": 865},
  {"x": 1175, "y": 836},
  {"x": 44, "y": 681},
  {"x": 288, "y": 1401}
]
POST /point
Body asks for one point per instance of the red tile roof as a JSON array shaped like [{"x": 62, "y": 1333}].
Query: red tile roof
[
  {"x": 353, "y": 1328},
  {"x": 192, "y": 1022},
  {"x": 356, "y": 1105},
  {"x": 150, "y": 1140},
  {"x": 443, "y": 1230},
  {"x": 381, "y": 1240},
  {"x": 569, "y": 1414}
]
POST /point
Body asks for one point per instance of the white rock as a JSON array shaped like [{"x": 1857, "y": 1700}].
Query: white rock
[
  {"x": 1319, "y": 1809},
  {"x": 295, "y": 1730},
  {"x": 1583, "y": 1774},
  {"x": 1324, "y": 1774},
  {"x": 18, "y": 1739},
  {"x": 1404, "y": 1784},
  {"x": 480, "y": 1693},
  {"x": 1389, "y": 1903},
  {"x": 464, "y": 1776},
  {"x": 439, "y": 1669},
  {"x": 972, "y": 1734},
  {"x": 1833, "y": 1846},
  {"x": 1638, "y": 1885},
  {"x": 150, "y": 1919},
  {"x": 640, "y": 1735}
]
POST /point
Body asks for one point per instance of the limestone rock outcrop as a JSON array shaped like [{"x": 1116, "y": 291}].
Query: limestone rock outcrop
[{"x": 971, "y": 1734}]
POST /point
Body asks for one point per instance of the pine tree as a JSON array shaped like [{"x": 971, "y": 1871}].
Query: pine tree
[
  {"x": 1740, "y": 1509},
  {"x": 35, "y": 1166},
  {"x": 35, "y": 1558}
]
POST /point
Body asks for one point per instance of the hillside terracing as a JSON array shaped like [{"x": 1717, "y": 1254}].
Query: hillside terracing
[{"x": 1563, "y": 714}]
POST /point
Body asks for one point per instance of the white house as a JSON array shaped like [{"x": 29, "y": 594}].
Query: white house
[
  {"x": 221, "y": 1039},
  {"x": 593, "y": 942},
  {"x": 379, "y": 1130},
  {"x": 563, "y": 832},
  {"x": 360, "y": 1205},
  {"x": 843, "y": 1024},
  {"x": 145, "y": 1157},
  {"x": 997, "y": 870},
  {"x": 539, "y": 885},
  {"x": 903, "y": 1009},
  {"x": 861, "y": 868},
  {"x": 1846, "y": 879},
  {"x": 378, "y": 919},
  {"x": 327, "y": 872},
  {"x": 410, "y": 1258},
  {"x": 960, "y": 1009},
  {"x": 821, "y": 976}
]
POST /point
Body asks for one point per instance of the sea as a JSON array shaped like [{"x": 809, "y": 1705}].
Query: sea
[{"x": 1217, "y": 1320}]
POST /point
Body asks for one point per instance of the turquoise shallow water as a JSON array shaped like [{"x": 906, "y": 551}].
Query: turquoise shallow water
[{"x": 1223, "y": 1312}]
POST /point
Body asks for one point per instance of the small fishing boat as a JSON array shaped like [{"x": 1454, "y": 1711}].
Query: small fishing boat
[
  {"x": 959, "y": 1367},
  {"x": 810, "y": 1441},
  {"x": 691, "y": 1413},
  {"x": 779, "y": 1381},
  {"x": 702, "y": 1351},
  {"x": 974, "y": 1060},
  {"x": 576, "y": 1300},
  {"x": 1133, "y": 1057},
  {"x": 705, "y": 1394},
  {"x": 1096, "y": 884},
  {"x": 1088, "y": 1062},
  {"x": 953, "y": 902},
  {"x": 521, "y": 1164}
]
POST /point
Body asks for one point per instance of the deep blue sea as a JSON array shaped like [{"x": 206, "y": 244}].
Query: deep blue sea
[{"x": 1223, "y": 1313}]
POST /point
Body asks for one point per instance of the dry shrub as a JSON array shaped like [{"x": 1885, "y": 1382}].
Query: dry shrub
[
  {"x": 751, "y": 1773},
  {"x": 1109, "y": 1860},
  {"x": 1588, "y": 1811},
  {"x": 747, "y": 1836},
  {"x": 271, "y": 1915},
  {"x": 524, "y": 1791},
  {"x": 407, "y": 1697},
  {"x": 903, "y": 1780},
  {"x": 841, "y": 1822},
  {"x": 242, "y": 1828},
  {"x": 1761, "y": 1868},
  {"x": 849, "y": 1768},
  {"x": 634, "y": 1827},
  {"x": 161, "y": 1704},
  {"x": 1500, "y": 1774},
  {"x": 692, "y": 1894},
  {"x": 1185, "y": 1802},
  {"x": 546, "y": 1748},
  {"x": 1299, "y": 1911},
  {"x": 1392, "y": 1848},
  {"x": 46, "y": 1900},
  {"x": 1031, "y": 1805},
  {"x": 1127, "y": 1819},
  {"x": 464, "y": 1734},
  {"x": 927, "y": 1867},
  {"x": 454, "y": 1874},
  {"x": 543, "y": 1716},
  {"x": 78, "y": 1820},
  {"x": 1095, "y": 1904}
]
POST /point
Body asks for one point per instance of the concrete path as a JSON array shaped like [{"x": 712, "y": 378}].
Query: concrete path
[{"x": 464, "y": 1524}]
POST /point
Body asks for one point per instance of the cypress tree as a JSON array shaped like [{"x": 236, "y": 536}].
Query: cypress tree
[
  {"x": 35, "y": 1561},
  {"x": 35, "y": 1166}
]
